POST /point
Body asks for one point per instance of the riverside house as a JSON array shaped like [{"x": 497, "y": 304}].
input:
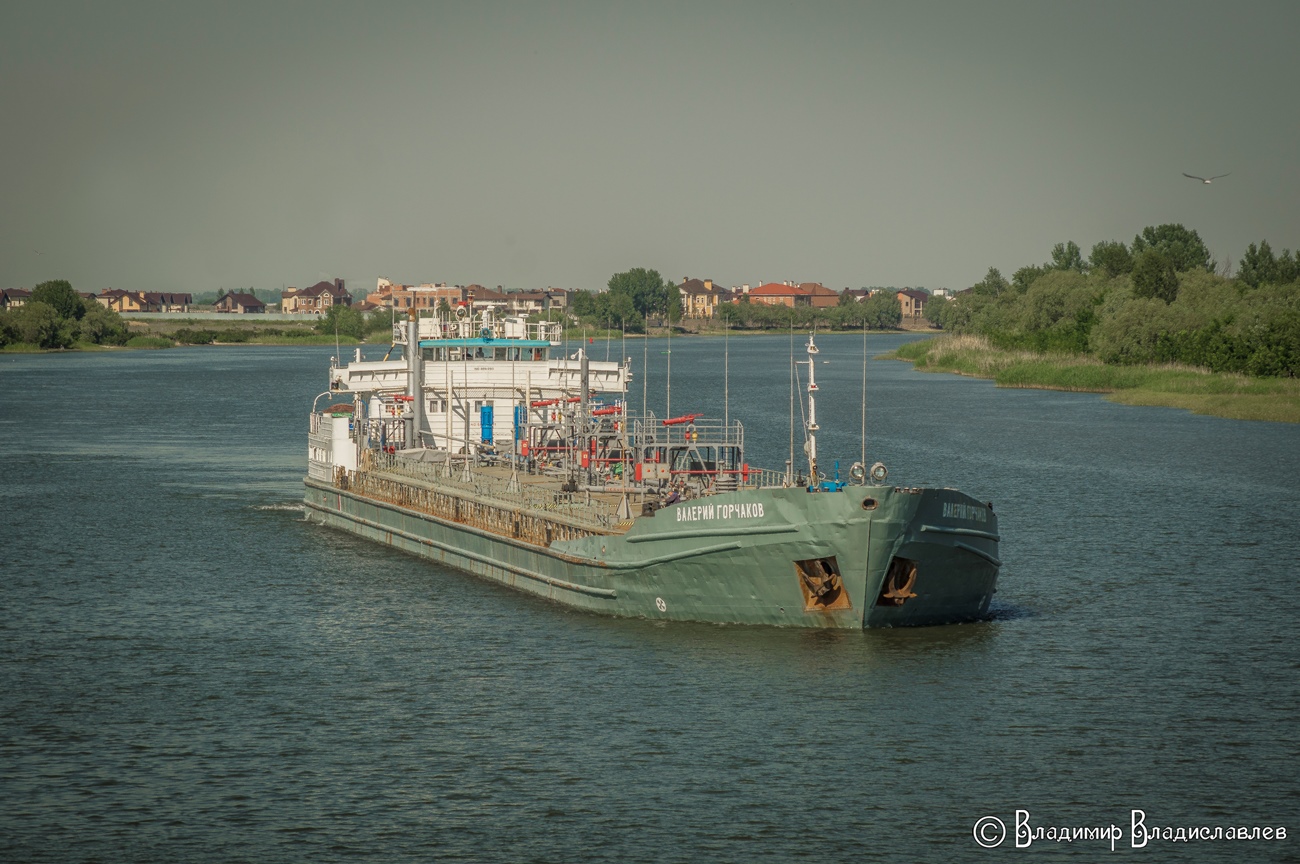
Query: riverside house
[
  {"x": 117, "y": 300},
  {"x": 12, "y": 298},
  {"x": 913, "y": 302},
  {"x": 315, "y": 300},
  {"x": 700, "y": 297},
  {"x": 239, "y": 303},
  {"x": 391, "y": 295},
  {"x": 780, "y": 294}
]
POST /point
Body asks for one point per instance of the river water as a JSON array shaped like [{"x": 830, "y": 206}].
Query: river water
[{"x": 189, "y": 672}]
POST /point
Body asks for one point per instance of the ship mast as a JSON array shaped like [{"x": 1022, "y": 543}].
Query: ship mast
[{"x": 811, "y": 424}]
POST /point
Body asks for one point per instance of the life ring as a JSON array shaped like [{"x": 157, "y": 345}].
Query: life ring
[{"x": 857, "y": 472}]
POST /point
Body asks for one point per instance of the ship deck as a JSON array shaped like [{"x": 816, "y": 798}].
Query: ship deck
[{"x": 591, "y": 509}]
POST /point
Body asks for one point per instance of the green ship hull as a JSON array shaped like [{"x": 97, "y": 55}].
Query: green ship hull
[{"x": 860, "y": 556}]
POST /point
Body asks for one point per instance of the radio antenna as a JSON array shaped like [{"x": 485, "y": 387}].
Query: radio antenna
[
  {"x": 864, "y": 390},
  {"x": 668, "y": 405},
  {"x": 789, "y": 463}
]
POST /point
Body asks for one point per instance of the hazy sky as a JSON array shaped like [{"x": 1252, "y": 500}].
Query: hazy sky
[{"x": 191, "y": 147}]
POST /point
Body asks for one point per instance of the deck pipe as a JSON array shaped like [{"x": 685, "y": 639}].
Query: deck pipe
[{"x": 415, "y": 382}]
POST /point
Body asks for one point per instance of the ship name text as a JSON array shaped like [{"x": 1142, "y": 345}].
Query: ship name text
[
  {"x": 969, "y": 512},
  {"x": 699, "y": 512}
]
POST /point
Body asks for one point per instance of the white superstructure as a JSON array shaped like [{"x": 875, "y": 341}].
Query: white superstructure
[{"x": 469, "y": 383}]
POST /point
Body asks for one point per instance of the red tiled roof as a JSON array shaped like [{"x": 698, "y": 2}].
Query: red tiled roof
[
  {"x": 776, "y": 289},
  {"x": 817, "y": 288}
]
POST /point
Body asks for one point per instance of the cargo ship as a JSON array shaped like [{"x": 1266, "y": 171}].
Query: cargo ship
[{"x": 487, "y": 446}]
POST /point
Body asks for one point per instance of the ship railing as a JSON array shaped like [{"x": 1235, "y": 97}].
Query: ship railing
[
  {"x": 577, "y": 507},
  {"x": 444, "y": 327},
  {"x": 320, "y": 470},
  {"x": 651, "y": 432},
  {"x": 732, "y": 479},
  {"x": 762, "y": 478}
]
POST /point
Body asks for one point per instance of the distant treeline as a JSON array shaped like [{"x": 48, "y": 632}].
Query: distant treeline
[
  {"x": 1158, "y": 300},
  {"x": 638, "y": 296},
  {"x": 55, "y": 316}
]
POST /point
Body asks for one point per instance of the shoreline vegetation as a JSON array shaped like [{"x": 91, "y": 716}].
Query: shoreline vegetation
[
  {"x": 1157, "y": 323},
  {"x": 251, "y": 334},
  {"x": 249, "y": 330},
  {"x": 1170, "y": 385}
]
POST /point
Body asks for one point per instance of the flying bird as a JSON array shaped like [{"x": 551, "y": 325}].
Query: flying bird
[{"x": 1205, "y": 179}]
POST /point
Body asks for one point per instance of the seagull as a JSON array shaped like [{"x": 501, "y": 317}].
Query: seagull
[{"x": 1204, "y": 179}]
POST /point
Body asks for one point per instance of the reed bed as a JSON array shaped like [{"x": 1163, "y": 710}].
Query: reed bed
[{"x": 1167, "y": 385}]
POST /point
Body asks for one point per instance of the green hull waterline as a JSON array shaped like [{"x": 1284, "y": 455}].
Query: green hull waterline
[{"x": 899, "y": 557}]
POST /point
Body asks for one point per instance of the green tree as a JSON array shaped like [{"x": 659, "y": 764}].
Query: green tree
[
  {"x": 1067, "y": 256},
  {"x": 1288, "y": 267},
  {"x": 58, "y": 294},
  {"x": 882, "y": 311},
  {"x": 1207, "y": 295},
  {"x": 936, "y": 309},
  {"x": 583, "y": 304},
  {"x": 343, "y": 320},
  {"x": 1268, "y": 328},
  {"x": 1182, "y": 246},
  {"x": 1130, "y": 329},
  {"x": 1112, "y": 258},
  {"x": 1057, "y": 313},
  {"x": 1259, "y": 266},
  {"x": 649, "y": 292},
  {"x": 1025, "y": 276},
  {"x": 378, "y": 321},
  {"x": 1154, "y": 276},
  {"x": 102, "y": 326},
  {"x": 38, "y": 323},
  {"x": 992, "y": 284},
  {"x": 733, "y": 313},
  {"x": 620, "y": 311}
]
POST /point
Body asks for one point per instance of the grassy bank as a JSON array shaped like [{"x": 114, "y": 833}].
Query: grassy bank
[
  {"x": 1237, "y": 397},
  {"x": 238, "y": 331}
]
